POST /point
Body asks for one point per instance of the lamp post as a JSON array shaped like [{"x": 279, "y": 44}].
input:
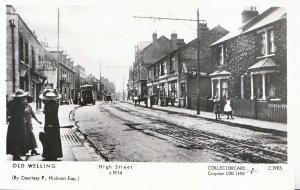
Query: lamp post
[{"x": 12, "y": 25}]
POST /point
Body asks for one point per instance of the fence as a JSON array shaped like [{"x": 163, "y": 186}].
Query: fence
[
  {"x": 247, "y": 108},
  {"x": 278, "y": 112}
]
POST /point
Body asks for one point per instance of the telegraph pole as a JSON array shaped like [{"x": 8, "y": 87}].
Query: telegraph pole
[
  {"x": 198, "y": 48},
  {"x": 58, "y": 74}
]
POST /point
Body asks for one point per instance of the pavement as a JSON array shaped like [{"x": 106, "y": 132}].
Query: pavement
[
  {"x": 75, "y": 147},
  {"x": 252, "y": 124}
]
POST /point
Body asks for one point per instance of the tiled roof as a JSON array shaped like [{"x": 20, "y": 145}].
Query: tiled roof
[
  {"x": 264, "y": 63},
  {"x": 269, "y": 16}
]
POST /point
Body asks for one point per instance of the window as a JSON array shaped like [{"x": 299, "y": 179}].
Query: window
[
  {"x": 26, "y": 53},
  {"x": 266, "y": 45},
  {"x": 155, "y": 71},
  {"x": 163, "y": 68},
  {"x": 149, "y": 74},
  {"x": 221, "y": 55},
  {"x": 224, "y": 89},
  {"x": 271, "y": 41},
  {"x": 172, "y": 66},
  {"x": 21, "y": 51},
  {"x": 33, "y": 58}
]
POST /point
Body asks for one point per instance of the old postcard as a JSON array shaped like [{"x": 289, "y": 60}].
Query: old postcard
[{"x": 148, "y": 95}]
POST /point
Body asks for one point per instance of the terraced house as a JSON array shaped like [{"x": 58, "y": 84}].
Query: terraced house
[
  {"x": 251, "y": 65},
  {"x": 172, "y": 79}
]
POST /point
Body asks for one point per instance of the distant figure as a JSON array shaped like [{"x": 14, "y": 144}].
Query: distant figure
[
  {"x": 50, "y": 139},
  {"x": 228, "y": 108},
  {"x": 135, "y": 100},
  {"x": 16, "y": 143},
  {"x": 28, "y": 114},
  {"x": 217, "y": 107}
]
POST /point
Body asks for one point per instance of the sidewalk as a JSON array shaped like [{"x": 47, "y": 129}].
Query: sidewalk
[
  {"x": 252, "y": 124},
  {"x": 75, "y": 147}
]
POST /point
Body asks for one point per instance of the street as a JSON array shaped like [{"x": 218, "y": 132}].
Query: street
[{"x": 123, "y": 132}]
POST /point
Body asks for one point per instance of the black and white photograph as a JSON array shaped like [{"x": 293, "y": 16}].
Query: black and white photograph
[{"x": 116, "y": 86}]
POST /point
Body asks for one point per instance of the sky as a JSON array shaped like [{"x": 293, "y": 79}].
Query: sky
[{"x": 92, "y": 32}]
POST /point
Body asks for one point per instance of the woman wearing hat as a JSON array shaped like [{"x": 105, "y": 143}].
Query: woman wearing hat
[
  {"x": 16, "y": 142},
  {"x": 51, "y": 141},
  {"x": 28, "y": 115}
]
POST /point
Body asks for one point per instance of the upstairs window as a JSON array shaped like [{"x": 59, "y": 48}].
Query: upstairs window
[
  {"x": 163, "y": 68},
  {"x": 221, "y": 55},
  {"x": 21, "y": 50},
  {"x": 172, "y": 66},
  {"x": 149, "y": 74},
  {"x": 26, "y": 53},
  {"x": 155, "y": 71},
  {"x": 266, "y": 45},
  {"x": 33, "y": 58}
]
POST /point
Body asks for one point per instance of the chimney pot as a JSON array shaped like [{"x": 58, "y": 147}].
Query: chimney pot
[{"x": 249, "y": 13}]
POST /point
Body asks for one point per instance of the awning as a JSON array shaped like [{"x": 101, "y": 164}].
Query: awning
[{"x": 264, "y": 64}]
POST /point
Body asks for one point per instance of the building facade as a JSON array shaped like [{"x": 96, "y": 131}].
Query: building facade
[
  {"x": 25, "y": 57},
  {"x": 252, "y": 63},
  {"x": 65, "y": 76},
  {"x": 146, "y": 57},
  {"x": 172, "y": 80}
]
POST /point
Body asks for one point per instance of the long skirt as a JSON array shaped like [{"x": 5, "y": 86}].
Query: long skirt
[
  {"x": 31, "y": 141},
  {"x": 51, "y": 141}
]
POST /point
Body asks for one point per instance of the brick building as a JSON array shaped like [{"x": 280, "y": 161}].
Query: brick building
[
  {"x": 173, "y": 80},
  {"x": 25, "y": 57},
  {"x": 252, "y": 63},
  {"x": 147, "y": 56}
]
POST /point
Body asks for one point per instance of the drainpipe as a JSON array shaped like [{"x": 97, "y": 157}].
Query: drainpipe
[{"x": 12, "y": 25}]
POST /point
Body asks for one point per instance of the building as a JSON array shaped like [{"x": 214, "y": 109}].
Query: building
[
  {"x": 251, "y": 64},
  {"x": 172, "y": 80},
  {"x": 158, "y": 48},
  {"x": 65, "y": 76},
  {"x": 79, "y": 78},
  {"x": 25, "y": 57}
]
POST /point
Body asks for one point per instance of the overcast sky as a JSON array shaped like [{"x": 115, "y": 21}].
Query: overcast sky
[{"x": 107, "y": 31}]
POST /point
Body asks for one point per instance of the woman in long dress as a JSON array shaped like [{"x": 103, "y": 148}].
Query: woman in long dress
[
  {"x": 28, "y": 114},
  {"x": 51, "y": 141},
  {"x": 16, "y": 142}
]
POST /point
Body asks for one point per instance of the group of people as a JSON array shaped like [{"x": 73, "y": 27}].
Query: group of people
[
  {"x": 218, "y": 107},
  {"x": 20, "y": 137}
]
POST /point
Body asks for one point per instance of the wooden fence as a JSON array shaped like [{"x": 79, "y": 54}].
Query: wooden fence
[{"x": 278, "y": 112}]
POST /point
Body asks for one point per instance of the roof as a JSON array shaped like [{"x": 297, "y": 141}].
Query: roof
[
  {"x": 264, "y": 63},
  {"x": 218, "y": 73},
  {"x": 269, "y": 16}
]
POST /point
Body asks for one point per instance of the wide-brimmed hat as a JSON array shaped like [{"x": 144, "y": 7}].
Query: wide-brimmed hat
[
  {"x": 50, "y": 94},
  {"x": 20, "y": 93}
]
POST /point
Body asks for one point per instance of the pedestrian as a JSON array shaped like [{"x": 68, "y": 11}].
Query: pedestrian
[
  {"x": 50, "y": 138},
  {"x": 28, "y": 115},
  {"x": 228, "y": 108},
  {"x": 135, "y": 100},
  {"x": 16, "y": 142},
  {"x": 217, "y": 107}
]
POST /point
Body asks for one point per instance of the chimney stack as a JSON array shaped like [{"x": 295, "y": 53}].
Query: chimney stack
[
  {"x": 154, "y": 36},
  {"x": 248, "y": 14},
  {"x": 174, "y": 39}
]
